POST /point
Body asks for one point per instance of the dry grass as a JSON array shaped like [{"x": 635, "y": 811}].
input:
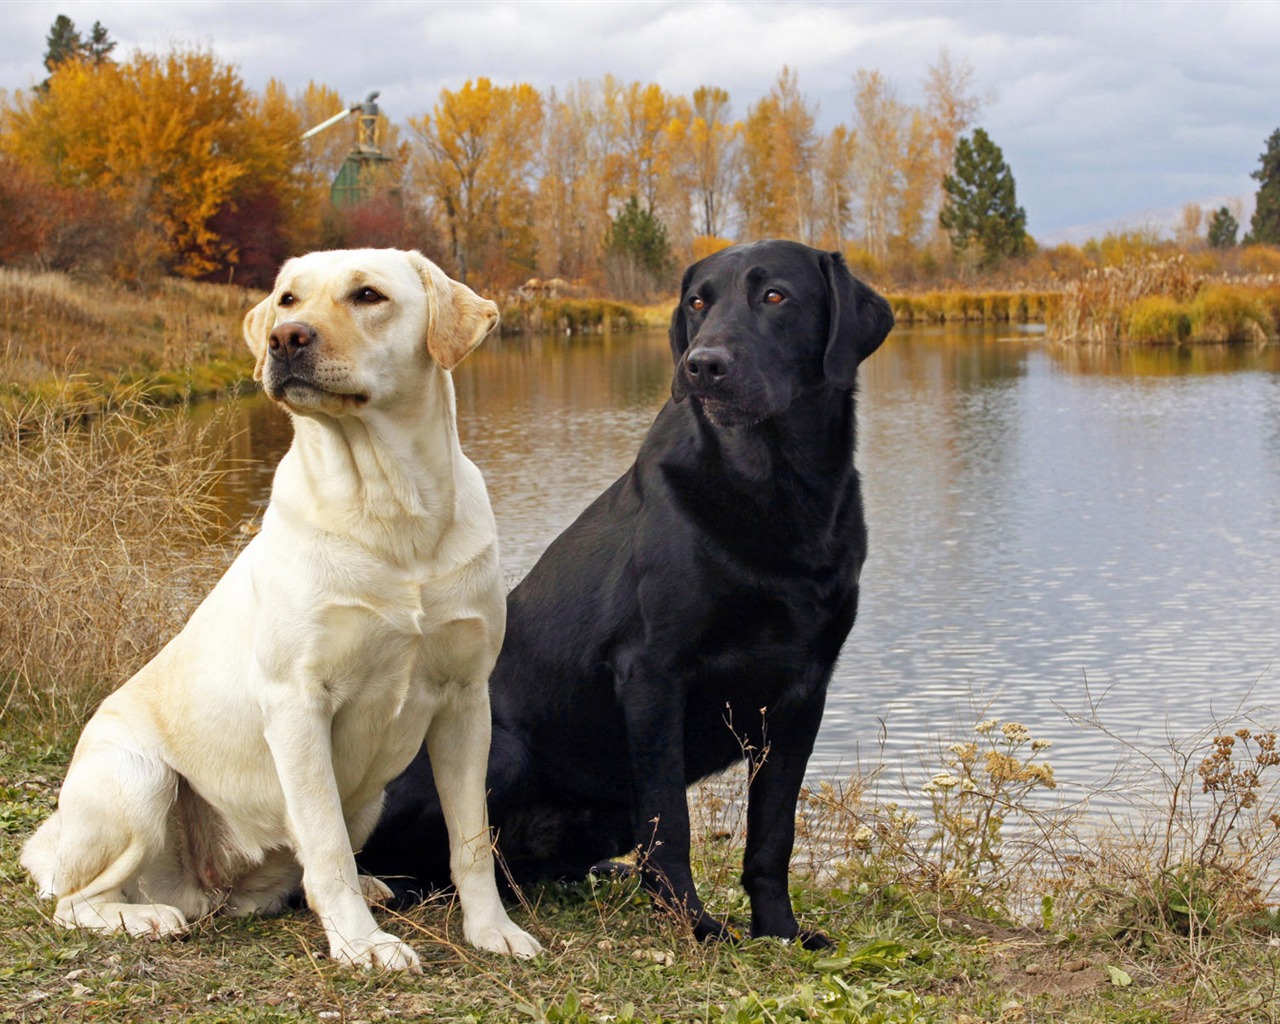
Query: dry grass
[{"x": 106, "y": 549}]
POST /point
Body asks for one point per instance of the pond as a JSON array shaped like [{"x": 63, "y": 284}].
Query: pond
[{"x": 1057, "y": 533}]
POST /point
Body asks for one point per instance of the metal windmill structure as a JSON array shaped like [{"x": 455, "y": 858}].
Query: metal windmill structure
[{"x": 365, "y": 164}]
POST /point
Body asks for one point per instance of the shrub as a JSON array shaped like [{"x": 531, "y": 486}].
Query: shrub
[
  {"x": 1157, "y": 318},
  {"x": 1231, "y": 313}
]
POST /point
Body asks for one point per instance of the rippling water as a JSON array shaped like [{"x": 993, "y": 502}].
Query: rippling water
[{"x": 1055, "y": 532}]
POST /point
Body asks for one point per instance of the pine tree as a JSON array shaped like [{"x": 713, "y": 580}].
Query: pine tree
[
  {"x": 62, "y": 43},
  {"x": 981, "y": 210},
  {"x": 65, "y": 43},
  {"x": 1222, "y": 229},
  {"x": 1265, "y": 226},
  {"x": 98, "y": 48}
]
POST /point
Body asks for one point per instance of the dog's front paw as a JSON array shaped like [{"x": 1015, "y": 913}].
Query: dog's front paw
[
  {"x": 503, "y": 937},
  {"x": 712, "y": 929},
  {"x": 378, "y": 951}
]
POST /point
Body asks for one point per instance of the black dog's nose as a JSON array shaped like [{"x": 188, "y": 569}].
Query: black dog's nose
[
  {"x": 707, "y": 366},
  {"x": 290, "y": 336}
]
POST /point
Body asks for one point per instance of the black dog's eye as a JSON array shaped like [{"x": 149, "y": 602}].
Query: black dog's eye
[
  {"x": 287, "y": 299},
  {"x": 696, "y": 303},
  {"x": 773, "y": 296},
  {"x": 369, "y": 296}
]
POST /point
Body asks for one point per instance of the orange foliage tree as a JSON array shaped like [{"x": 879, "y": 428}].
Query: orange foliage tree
[{"x": 172, "y": 139}]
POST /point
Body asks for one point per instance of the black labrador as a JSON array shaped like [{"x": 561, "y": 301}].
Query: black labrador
[{"x": 695, "y": 610}]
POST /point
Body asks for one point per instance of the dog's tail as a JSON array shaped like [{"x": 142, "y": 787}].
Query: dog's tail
[{"x": 40, "y": 855}]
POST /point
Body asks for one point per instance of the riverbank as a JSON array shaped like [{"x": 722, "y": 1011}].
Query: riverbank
[{"x": 975, "y": 897}]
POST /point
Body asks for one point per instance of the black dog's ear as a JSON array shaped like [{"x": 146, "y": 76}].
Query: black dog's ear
[
  {"x": 860, "y": 321},
  {"x": 678, "y": 334}
]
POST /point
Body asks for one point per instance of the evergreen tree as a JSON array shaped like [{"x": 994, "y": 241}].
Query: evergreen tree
[
  {"x": 62, "y": 43},
  {"x": 98, "y": 48},
  {"x": 1222, "y": 229},
  {"x": 981, "y": 211},
  {"x": 1265, "y": 226},
  {"x": 637, "y": 233},
  {"x": 637, "y": 252}
]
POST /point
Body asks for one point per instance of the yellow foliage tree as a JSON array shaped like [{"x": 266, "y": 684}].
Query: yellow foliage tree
[
  {"x": 477, "y": 155},
  {"x": 779, "y": 149}
]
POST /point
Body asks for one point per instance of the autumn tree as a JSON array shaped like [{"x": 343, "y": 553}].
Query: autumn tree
[
  {"x": 951, "y": 109},
  {"x": 477, "y": 157},
  {"x": 173, "y": 140},
  {"x": 572, "y": 205},
  {"x": 835, "y": 187},
  {"x": 1222, "y": 229},
  {"x": 981, "y": 213},
  {"x": 1190, "y": 232},
  {"x": 779, "y": 148},
  {"x": 1265, "y": 226},
  {"x": 714, "y": 146},
  {"x": 879, "y": 123}
]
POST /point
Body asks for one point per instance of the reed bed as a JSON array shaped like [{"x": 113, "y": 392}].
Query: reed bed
[
  {"x": 959, "y": 306},
  {"x": 1166, "y": 300}
]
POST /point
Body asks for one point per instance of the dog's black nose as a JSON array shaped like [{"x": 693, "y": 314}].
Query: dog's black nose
[
  {"x": 290, "y": 336},
  {"x": 707, "y": 366}
]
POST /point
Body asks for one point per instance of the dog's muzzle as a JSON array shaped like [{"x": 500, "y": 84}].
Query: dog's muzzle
[
  {"x": 705, "y": 370},
  {"x": 289, "y": 340}
]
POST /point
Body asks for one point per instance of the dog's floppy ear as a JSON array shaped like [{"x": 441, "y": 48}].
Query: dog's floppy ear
[
  {"x": 460, "y": 319},
  {"x": 257, "y": 332},
  {"x": 678, "y": 333},
  {"x": 860, "y": 321}
]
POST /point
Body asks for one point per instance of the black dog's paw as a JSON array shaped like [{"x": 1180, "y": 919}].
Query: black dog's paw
[
  {"x": 808, "y": 939},
  {"x": 712, "y": 929}
]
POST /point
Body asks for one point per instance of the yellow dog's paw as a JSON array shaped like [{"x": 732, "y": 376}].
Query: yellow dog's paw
[
  {"x": 378, "y": 951},
  {"x": 504, "y": 937}
]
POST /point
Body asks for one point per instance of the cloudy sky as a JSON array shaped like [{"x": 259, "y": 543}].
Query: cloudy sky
[{"x": 1107, "y": 112}]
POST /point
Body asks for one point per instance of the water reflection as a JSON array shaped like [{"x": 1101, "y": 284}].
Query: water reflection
[{"x": 1050, "y": 527}]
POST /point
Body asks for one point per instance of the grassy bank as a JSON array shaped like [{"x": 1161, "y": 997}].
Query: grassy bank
[
  {"x": 181, "y": 340},
  {"x": 969, "y": 894}
]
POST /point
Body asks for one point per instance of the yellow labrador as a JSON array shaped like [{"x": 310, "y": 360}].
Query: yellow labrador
[{"x": 251, "y": 753}]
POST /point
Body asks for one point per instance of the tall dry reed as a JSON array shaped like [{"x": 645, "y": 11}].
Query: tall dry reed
[
  {"x": 110, "y": 539},
  {"x": 1097, "y": 306}
]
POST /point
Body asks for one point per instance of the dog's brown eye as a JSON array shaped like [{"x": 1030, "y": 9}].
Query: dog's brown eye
[
  {"x": 369, "y": 295},
  {"x": 287, "y": 299},
  {"x": 773, "y": 296},
  {"x": 697, "y": 303}
]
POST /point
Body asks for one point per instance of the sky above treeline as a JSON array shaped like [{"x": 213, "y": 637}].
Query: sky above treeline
[{"x": 1111, "y": 114}]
